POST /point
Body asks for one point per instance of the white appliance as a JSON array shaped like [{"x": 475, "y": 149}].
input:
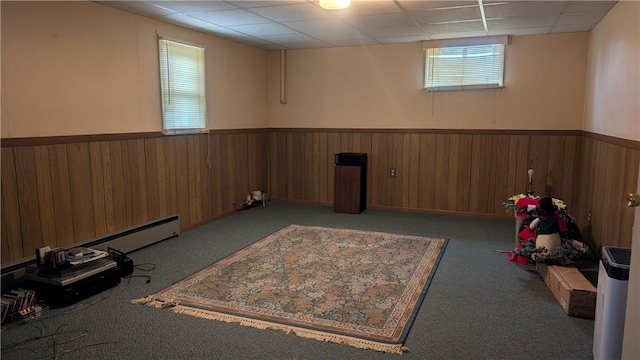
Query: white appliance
[{"x": 613, "y": 280}]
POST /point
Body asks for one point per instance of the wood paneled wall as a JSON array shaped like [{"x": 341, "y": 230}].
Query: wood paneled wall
[
  {"x": 607, "y": 171},
  {"x": 72, "y": 189},
  {"x": 62, "y": 193},
  {"x": 468, "y": 171},
  {"x": 435, "y": 170}
]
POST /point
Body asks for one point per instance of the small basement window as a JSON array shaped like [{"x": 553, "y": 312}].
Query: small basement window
[
  {"x": 183, "y": 87},
  {"x": 464, "y": 67}
]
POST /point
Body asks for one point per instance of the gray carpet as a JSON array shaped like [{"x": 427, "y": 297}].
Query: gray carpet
[{"x": 478, "y": 306}]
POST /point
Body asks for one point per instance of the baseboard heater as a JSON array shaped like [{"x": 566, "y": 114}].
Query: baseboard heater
[
  {"x": 137, "y": 237},
  {"x": 125, "y": 240}
]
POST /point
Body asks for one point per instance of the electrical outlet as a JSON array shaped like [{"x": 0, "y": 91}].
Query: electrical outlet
[{"x": 392, "y": 172}]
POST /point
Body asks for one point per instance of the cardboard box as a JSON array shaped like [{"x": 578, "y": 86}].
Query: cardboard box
[{"x": 574, "y": 292}]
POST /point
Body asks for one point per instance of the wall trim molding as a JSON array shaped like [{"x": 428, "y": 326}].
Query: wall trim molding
[
  {"x": 54, "y": 140},
  {"x": 433, "y": 131},
  {"x": 70, "y": 139},
  {"x": 625, "y": 143}
]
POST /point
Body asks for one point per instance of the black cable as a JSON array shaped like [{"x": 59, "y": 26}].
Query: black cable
[
  {"x": 141, "y": 268},
  {"x": 51, "y": 343},
  {"x": 142, "y": 276}
]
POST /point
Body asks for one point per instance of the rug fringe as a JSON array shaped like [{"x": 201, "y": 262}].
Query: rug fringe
[
  {"x": 305, "y": 333},
  {"x": 151, "y": 301}
]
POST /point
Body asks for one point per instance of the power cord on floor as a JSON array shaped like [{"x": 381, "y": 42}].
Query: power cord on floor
[
  {"x": 143, "y": 267},
  {"x": 52, "y": 344},
  {"x": 148, "y": 277},
  {"x": 140, "y": 267}
]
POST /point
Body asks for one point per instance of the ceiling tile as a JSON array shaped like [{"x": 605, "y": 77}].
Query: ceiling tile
[
  {"x": 453, "y": 27},
  {"x": 523, "y": 9},
  {"x": 138, "y": 7},
  {"x": 247, "y": 4},
  {"x": 413, "y": 5},
  {"x": 263, "y": 29},
  {"x": 231, "y": 17},
  {"x": 579, "y": 18},
  {"x": 369, "y": 21},
  {"x": 523, "y": 23},
  {"x": 225, "y": 32},
  {"x": 357, "y": 42},
  {"x": 412, "y": 30},
  {"x": 295, "y": 12},
  {"x": 287, "y": 38},
  {"x": 315, "y": 26},
  {"x": 403, "y": 39},
  {"x": 363, "y": 8},
  {"x": 378, "y": 21},
  {"x": 188, "y": 7},
  {"x": 295, "y": 41},
  {"x": 446, "y": 15},
  {"x": 580, "y": 6},
  {"x": 520, "y": 31},
  {"x": 184, "y": 20},
  {"x": 335, "y": 35}
]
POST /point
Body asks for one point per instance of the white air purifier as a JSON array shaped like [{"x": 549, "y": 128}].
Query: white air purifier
[{"x": 613, "y": 280}]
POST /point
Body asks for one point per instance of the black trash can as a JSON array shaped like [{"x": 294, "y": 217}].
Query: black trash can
[{"x": 350, "y": 183}]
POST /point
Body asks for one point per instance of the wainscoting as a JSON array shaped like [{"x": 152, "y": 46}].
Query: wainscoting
[
  {"x": 468, "y": 171},
  {"x": 58, "y": 194},
  {"x": 435, "y": 170},
  {"x": 607, "y": 171},
  {"x": 63, "y": 190}
]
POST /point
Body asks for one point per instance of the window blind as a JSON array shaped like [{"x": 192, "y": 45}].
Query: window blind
[
  {"x": 182, "y": 86},
  {"x": 464, "y": 67}
]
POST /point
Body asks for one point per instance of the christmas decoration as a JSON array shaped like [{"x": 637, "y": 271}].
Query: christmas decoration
[{"x": 530, "y": 214}]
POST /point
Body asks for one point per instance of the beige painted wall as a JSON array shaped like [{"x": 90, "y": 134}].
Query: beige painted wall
[
  {"x": 613, "y": 80},
  {"x": 73, "y": 68},
  {"x": 613, "y": 108},
  {"x": 381, "y": 87}
]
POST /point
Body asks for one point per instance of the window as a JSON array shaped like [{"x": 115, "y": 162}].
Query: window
[
  {"x": 182, "y": 86},
  {"x": 464, "y": 67}
]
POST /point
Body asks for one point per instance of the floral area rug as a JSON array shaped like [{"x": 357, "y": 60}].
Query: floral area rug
[{"x": 359, "y": 288}]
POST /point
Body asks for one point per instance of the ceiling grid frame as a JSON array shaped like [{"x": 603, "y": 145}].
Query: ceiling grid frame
[{"x": 302, "y": 24}]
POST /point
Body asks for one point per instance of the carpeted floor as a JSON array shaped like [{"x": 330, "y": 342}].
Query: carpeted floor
[{"x": 479, "y": 305}]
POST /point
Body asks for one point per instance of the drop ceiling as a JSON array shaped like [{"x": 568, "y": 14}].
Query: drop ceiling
[{"x": 301, "y": 24}]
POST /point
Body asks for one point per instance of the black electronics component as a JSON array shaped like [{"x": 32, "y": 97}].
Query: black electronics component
[
  {"x": 350, "y": 183},
  {"x": 124, "y": 263},
  {"x": 351, "y": 159},
  {"x": 74, "y": 284}
]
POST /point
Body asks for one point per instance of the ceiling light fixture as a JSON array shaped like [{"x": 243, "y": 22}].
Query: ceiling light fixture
[{"x": 334, "y": 4}]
